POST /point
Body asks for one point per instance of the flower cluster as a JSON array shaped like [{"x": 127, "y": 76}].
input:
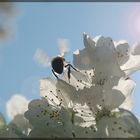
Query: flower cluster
[
  {"x": 7, "y": 19},
  {"x": 96, "y": 101},
  {"x": 18, "y": 127}
]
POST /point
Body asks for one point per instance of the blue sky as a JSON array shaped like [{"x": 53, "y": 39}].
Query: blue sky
[{"x": 39, "y": 25}]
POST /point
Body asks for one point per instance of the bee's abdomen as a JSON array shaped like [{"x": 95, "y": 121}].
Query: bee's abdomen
[{"x": 57, "y": 65}]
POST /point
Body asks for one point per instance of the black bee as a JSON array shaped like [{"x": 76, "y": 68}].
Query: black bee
[{"x": 58, "y": 64}]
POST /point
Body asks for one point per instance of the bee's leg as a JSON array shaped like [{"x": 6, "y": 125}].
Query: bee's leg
[
  {"x": 69, "y": 65},
  {"x": 54, "y": 74},
  {"x": 69, "y": 70}
]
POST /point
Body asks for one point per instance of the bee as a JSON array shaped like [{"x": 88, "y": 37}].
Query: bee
[{"x": 58, "y": 63}]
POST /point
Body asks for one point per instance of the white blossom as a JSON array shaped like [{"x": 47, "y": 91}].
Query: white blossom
[
  {"x": 16, "y": 105},
  {"x": 19, "y": 125},
  {"x": 102, "y": 56},
  {"x": 94, "y": 102}
]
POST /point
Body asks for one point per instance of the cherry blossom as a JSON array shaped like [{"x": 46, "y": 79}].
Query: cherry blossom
[{"x": 96, "y": 101}]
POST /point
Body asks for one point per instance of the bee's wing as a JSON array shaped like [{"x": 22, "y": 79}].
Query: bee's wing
[
  {"x": 41, "y": 58},
  {"x": 63, "y": 45}
]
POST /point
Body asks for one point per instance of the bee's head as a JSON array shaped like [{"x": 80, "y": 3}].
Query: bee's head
[{"x": 59, "y": 56}]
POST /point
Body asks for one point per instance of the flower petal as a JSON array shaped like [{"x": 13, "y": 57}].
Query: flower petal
[
  {"x": 135, "y": 50},
  {"x": 49, "y": 91},
  {"x": 132, "y": 65},
  {"x": 126, "y": 87},
  {"x": 81, "y": 60},
  {"x": 122, "y": 48},
  {"x": 79, "y": 79}
]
